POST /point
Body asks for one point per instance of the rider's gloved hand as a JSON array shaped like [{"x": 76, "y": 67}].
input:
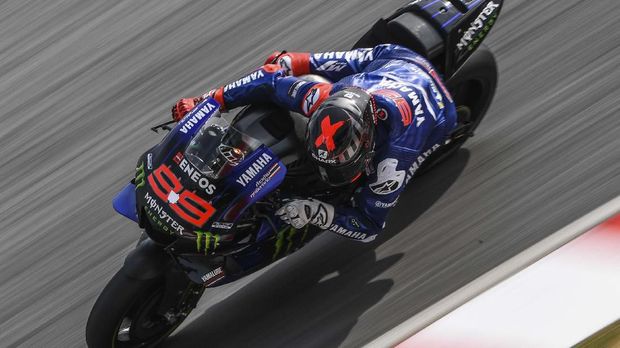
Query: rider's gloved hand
[
  {"x": 293, "y": 64},
  {"x": 300, "y": 212},
  {"x": 273, "y": 58},
  {"x": 183, "y": 106}
]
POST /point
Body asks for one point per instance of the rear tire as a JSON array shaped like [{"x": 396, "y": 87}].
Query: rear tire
[
  {"x": 472, "y": 87},
  {"x": 124, "y": 314}
]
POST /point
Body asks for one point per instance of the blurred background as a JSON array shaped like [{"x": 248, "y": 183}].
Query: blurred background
[{"x": 81, "y": 82}]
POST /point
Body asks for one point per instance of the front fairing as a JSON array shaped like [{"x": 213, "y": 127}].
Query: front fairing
[{"x": 178, "y": 199}]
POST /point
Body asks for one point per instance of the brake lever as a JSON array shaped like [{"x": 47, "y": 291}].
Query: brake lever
[{"x": 164, "y": 126}]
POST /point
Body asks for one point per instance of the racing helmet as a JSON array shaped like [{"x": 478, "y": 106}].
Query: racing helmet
[{"x": 340, "y": 135}]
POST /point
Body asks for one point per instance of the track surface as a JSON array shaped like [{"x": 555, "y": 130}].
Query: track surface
[{"x": 80, "y": 82}]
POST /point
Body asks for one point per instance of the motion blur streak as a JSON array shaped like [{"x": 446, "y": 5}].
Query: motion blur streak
[{"x": 80, "y": 82}]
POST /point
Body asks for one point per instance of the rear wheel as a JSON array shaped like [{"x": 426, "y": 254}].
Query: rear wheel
[
  {"x": 472, "y": 87},
  {"x": 126, "y": 313}
]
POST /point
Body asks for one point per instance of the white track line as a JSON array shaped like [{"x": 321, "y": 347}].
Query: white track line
[{"x": 421, "y": 320}]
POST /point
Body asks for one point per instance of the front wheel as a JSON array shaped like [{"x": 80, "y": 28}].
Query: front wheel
[
  {"x": 472, "y": 87},
  {"x": 126, "y": 313}
]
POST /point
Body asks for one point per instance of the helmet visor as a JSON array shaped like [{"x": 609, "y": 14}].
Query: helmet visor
[{"x": 341, "y": 175}]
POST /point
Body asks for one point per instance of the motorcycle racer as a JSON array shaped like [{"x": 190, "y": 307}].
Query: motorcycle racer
[{"x": 385, "y": 114}]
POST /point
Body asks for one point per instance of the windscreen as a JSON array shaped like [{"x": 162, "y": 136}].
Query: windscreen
[{"x": 218, "y": 147}]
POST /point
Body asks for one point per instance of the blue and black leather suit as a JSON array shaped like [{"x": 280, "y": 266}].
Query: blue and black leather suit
[{"x": 415, "y": 113}]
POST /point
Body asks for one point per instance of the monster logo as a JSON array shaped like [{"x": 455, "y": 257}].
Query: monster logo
[
  {"x": 479, "y": 27},
  {"x": 211, "y": 241},
  {"x": 140, "y": 179},
  {"x": 287, "y": 234}
]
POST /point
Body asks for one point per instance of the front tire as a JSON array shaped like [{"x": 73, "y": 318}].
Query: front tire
[{"x": 125, "y": 315}]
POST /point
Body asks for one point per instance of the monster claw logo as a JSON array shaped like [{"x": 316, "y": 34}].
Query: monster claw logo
[
  {"x": 140, "y": 176},
  {"x": 286, "y": 235},
  {"x": 211, "y": 241}
]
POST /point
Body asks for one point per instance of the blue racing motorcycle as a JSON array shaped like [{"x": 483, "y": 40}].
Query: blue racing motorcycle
[{"x": 206, "y": 195}]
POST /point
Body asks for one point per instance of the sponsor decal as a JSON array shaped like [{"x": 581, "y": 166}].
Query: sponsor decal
[
  {"x": 194, "y": 174},
  {"x": 354, "y": 223},
  {"x": 437, "y": 95},
  {"x": 373, "y": 107},
  {"x": 286, "y": 235},
  {"x": 397, "y": 64},
  {"x": 160, "y": 217},
  {"x": 149, "y": 161},
  {"x": 211, "y": 241},
  {"x": 429, "y": 68},
  {"x": 232, "y": 155},
  {"x": 294, "y": 89},
  {"x": 139, "y": 180},
  {"x": 333, "y": 65},
  {"x": 417, "y": 105},
  {"x": 186, "y": 204},
  {"x": 265, "y": 179},
  {"x": 192, "y": 119},
  {"x": 286, "y": 63},
  {"x": 389, "y": 179},
  {"x": 382, "y": 114},
  {"x": 320, "y": 157},
  {"x": 213, "y": 276},
  {"x": 351, "y": 95},
  {"x": 418, "y": 162},
  {"x": 310, "y": 100},
  {"x": 359, "y": 55},
  {"x": 258, "y": 165},
  {"x": 178, "y": 157},
  {"x": 391, "y": 81},
  {"x": 245, "y": 80},
  {"x": 222, "y": 225},
  {"x": 419, "y": 120},
  {"x": 314, "y": 97},
  {"x": 371, "y": 238},
  {"x": 384, "y": 205},
  {"x": 479, "y": 28},
  {"x": 412, "y": 95},
  {"x": 400, "y": 102},
  {"x": 323, "y": 216},
  {"x": 346, "y": 233}
]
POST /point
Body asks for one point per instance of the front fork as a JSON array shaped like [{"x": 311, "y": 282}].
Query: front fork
[
  {"x": 180, "y": 297},
  {"x": 150, "y": 261},
  {"x": 187, "y": 274}
]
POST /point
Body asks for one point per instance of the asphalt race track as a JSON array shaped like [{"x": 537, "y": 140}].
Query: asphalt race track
[{"x": 81, "y": 82}]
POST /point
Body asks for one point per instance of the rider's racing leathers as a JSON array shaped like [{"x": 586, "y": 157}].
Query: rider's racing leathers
[{"x": 415, "y": 116}]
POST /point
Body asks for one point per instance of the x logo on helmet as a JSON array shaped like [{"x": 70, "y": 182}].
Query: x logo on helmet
[{"x": 328, "y": 130}]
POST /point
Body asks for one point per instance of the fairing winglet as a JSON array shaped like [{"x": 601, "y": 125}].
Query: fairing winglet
[{"x": 125, "y": 202}]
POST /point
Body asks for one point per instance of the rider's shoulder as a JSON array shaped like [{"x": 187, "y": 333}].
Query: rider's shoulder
[
  {"x": 391, "y": 110},
  {"x": 394, "y": 51}
]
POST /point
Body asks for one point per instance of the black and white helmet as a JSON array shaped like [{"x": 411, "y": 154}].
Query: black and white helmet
[{"x": 340, "y": 135}]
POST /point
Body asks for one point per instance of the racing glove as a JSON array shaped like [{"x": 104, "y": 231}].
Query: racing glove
[
  {"x": 300, "y": 212},
  {"x": 293, "y": 64},
  {"x": 183, "y": 106},
  {"x": 273, "y": 58}
]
